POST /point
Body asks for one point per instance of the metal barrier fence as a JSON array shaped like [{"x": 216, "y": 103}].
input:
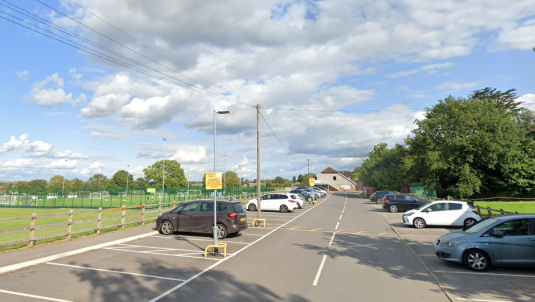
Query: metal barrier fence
[{"x": 112, "y": 197}]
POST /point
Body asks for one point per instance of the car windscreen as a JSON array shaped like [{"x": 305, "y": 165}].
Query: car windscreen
[
  {"x": 482, "y": 225},
  {"x": 237, "y": 208}
]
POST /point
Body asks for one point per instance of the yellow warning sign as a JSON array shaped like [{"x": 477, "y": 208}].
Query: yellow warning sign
[
  {"x": 214, "y": 181},
  {"x": 312, "y": 182}
]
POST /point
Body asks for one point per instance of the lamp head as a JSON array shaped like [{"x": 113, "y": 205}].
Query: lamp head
[{"x": 222, "y": 111}]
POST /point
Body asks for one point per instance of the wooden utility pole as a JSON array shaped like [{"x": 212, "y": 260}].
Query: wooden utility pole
[{"x": 258, "y": 189}]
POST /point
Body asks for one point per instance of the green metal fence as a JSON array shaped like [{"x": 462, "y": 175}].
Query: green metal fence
[{"x": 110, "y": 197}]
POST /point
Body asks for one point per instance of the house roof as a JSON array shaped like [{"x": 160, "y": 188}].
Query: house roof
[
  {"x": 346, "y": 173},
  {"x": 329, "y": 170}
]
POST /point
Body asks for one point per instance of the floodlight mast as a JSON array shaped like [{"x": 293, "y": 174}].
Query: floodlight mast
[
  {"x": 163, "y": 183},
  {"x": 63, "y": 187}
]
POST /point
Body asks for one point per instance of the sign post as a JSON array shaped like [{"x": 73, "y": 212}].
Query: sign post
[{"x": 214, "y": 181}]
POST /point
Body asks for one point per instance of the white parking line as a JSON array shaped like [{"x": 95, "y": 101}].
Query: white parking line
[
  {"x": 341, "y": 217},
  {"x": 216, "y": 264},
  {"x": 160, "y": 254},
  {"x": 332, "y": 238},
  {"x": 485, "y": 274},
  {"x": 115, "y": 272},
  {"x": 124, "y": 246},
  {"x": 32, "y": 296},
  {"x": 482, "y": 300},
  {"x": 336, "y": 228},
  {"x": 319, "y": 271},
  {"x": 195, "y": 239}
]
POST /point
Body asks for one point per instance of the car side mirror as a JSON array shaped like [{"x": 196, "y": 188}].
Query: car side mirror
[{"x": 497, "y": 234}]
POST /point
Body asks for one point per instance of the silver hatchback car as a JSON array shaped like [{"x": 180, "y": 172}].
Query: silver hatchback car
[{"x": 500, "y": 240}]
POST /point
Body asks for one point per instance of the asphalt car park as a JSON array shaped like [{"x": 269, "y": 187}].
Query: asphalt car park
[
  {"x": 146, "y": 269},
  {"x": 496, "y": 284}
]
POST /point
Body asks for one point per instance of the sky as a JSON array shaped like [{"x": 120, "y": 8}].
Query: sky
[{"x": 333, "y": 78}]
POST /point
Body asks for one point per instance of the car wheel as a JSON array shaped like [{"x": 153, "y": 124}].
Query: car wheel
[
  {"x": 418, "y": 223},
  {"x": 476, "y": 260},
  {"x": 252, "y": 207},
  {"x": 284, "y": 209},
  {"x": 299, "y": 206},
  {"x": 379, "y": 200},
  {"x": 221, "y": 231},
  {"x": 166, "y": 228},
  {"x": 393, "y": 208},
  {"x": 469, "y": 222}
]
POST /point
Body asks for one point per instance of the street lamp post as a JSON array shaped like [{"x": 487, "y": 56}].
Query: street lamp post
[
  {"x": 63, "y": 187},
  {"x": 163, "y": 183},
  {"x": 216, "y": 252}
]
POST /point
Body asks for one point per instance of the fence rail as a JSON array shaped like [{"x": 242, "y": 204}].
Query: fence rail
[{"x": 489, "y": 211}]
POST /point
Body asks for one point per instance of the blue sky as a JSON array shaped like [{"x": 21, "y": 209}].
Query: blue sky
[{"x": 374, "y": 66}]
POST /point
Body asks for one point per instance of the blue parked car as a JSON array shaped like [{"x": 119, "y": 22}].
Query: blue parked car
[{"x": 501, "y": 240}]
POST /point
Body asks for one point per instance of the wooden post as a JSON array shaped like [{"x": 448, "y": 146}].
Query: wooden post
[
  {"x": 99, "y": 219},
  {"x": 478, "y": 210},
  {"x": 123, "y": 213},
  {"x": 32, "y": 230},
  {"x": 490, "y": 211},
  {"x": 174, "y": 205},
  {"x": 143, "y": 214},
  {"x": 159, "y": 209},
  {"x": 69, "y": 225},
  {"x": 502, "y": 211}
]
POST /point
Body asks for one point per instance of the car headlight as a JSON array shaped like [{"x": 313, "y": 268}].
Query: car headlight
[
  {"x": 408, "y": 214},
  {"x": 448, "y": 243}
]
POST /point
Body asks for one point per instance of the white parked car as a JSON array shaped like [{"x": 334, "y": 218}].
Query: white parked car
[
  {"x": 274, "y": 202},
  {"x": 299, "y": 199},
  {"x": 442, "y": 212}
]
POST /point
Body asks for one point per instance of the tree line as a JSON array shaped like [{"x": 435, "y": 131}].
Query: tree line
[{"x": 478, "y": 146}]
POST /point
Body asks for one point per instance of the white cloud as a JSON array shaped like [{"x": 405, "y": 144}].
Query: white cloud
[
  {"x": 49, "y": 97},
  {"x": 528, "y": 101},
  {"x": 94, "y": 168},
  {"x": 402, "y": 73},
  {"x": 137, "y": 172},
  {"x": 37, "y": 148},
  {"x": 456, "y": 86},
  {"x": 63, "y": 164},
  {"x": 431, "y": 68},
  {"x": 187, "y": 154},
  {"x": 22, "y": 74},
  {"x": 105, "y": 105}
]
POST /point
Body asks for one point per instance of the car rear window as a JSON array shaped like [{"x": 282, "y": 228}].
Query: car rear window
[
  {"x": 237, "y": 208},
  {"x": 455, "y": 206},
  {"x": 221, "y": 207}
]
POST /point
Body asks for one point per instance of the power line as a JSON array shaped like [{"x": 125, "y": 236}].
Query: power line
[
  {"x": 276, "y": 136},
  {"x": 341, "y": 110},
  {"x": 113, "y": 40}
]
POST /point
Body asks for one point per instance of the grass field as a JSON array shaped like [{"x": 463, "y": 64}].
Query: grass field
[
  {"x": 24, "y": 212},
  {"x": 517, "y": 206}
]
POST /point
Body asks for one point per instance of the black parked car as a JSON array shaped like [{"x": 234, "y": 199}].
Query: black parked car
[
  {"x": 379, "y": 195},
  {"x": 402, "y": 202},
  {"x": 198, "y": 216}
]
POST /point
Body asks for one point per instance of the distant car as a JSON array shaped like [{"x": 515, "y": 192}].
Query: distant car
[
  {"x": 402, "y": 202},
  {"x": 282, "y": 202},
  {"x": 319, "y": 191},
  {"x": 499, "y": 240},
  {"x": 299, "y": 199},
  {"x": 378, "y": 196},
  {"x": 442, "y": 212},
  {"x": 198, "y": 216},
  {"x": 306, "y": 193}
]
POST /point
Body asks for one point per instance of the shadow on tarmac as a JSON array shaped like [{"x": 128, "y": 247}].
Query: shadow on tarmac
[
  {"x": 211, "y": 286},
  {"x": 390, "y": 255}
]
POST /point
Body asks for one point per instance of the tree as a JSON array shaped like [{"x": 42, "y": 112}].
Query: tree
[
  {"x": 140, "y": 182},
  {"x": 97, "y": 181},
  {"x": 22, "y": 185},
  {"x": 77, "y": 183},
  {"x": 466, "y": 146},
  {"x": 294, "y": 179},
  {"x": 526, "y": 118},
  {"x": 119, "y": 178},
  {"x": 300, "y": 178},
  {"x": 355, "y": 175},
  {"x": 385, "y": 169},
  {"x": 504, "y": 101},
  {"x": 305, "y": 182},
  {"x": 56, "y": 182},
  {"x": 174, "y": 175},
  {"x": 232, "y": 179},
  {"x": 38, "y": 183}
]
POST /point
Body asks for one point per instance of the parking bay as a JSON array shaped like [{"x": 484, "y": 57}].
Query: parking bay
[{"x": 496, "y": 284}]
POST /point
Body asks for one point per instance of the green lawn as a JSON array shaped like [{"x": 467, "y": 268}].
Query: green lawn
[
  {"x": 23, "y": 212},
  {"x": 518, "y": 206}
]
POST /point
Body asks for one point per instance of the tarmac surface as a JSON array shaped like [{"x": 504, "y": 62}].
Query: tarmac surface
[{"x": 343, "y": 249}]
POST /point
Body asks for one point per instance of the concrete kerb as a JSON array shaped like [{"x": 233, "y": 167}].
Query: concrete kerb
[{"x": 26, "y": 264}]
